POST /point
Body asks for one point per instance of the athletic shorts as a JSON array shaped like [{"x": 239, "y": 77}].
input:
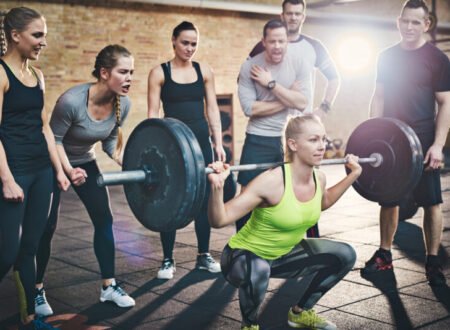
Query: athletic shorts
[{"x": 428, "y": 191}]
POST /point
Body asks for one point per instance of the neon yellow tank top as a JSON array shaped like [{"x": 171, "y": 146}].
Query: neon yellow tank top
[{"x": 272, "y": 232}]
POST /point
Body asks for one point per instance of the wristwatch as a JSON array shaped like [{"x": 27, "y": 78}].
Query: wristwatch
[
  {"x": 325, "y": 106},
  {"x": 271, "y": 85}
]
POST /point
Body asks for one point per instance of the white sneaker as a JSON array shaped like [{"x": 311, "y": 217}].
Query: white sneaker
[
  {"x": 167, "y": 269},
  {"x": 117, "y": 295},
  {"x": 41, "y": 305},
  {"x": 206, "y": 261}
]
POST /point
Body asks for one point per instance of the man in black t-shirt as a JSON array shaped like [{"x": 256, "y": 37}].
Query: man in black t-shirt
[{"x": 412, "y": 77}]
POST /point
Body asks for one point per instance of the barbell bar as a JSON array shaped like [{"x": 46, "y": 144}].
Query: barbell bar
[
  {"x": 164, "y": 173},
  {"x": 146, "y": 177}
]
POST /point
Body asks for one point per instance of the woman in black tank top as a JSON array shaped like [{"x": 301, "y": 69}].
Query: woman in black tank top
[
  {"x": 184, "y": 87},
  {"x": 27, "y": 151}
]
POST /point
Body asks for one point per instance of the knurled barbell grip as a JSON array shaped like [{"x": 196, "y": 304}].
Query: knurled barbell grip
[
  {"x": 247, "y": 167},
  {"x": 117, "y": 178},
  {"x": 375, "y": 159}
]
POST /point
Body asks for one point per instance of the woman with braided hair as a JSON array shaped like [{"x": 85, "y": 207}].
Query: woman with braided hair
[
  {"x": 84, "y": 115},
  {"x": 27, "y": 153}
]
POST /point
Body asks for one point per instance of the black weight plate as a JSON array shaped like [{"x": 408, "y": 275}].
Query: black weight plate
[
  {"x": 166, "y": 204},
  {"x": 200, "y": 179},
  {"x": 402, "y": 159}
]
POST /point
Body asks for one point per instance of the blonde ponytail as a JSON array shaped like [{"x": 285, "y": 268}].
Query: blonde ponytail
[
  {"x": 2, "y": 34},
  {"x": 119, "y": 145}
]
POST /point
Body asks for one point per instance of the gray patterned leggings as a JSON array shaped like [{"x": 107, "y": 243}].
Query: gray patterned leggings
[{"x": 326, "y": 261}]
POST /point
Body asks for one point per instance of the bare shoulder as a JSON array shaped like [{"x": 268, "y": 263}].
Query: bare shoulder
[
  {"x": 38, "y": 73},
  {"x": 4, "y": 82},
  {"x": 156, "y": 74},
  {"x": 40, "y": 76},
  {"x": 206, "y": 70},
  {"x": 322, "y": 178},
  {"x": 268, "y": 183}
]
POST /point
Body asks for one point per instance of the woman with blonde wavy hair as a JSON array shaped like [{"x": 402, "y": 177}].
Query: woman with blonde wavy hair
[{"x": 285, "y": 202}]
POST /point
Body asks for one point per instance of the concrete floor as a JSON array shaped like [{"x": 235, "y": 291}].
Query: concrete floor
[{"x": 195, "y": 299}]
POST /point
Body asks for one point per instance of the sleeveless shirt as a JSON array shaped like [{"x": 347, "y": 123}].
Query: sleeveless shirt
[
  {"x": 273, "y": 231},
  {"x": 21, "y": 126},
  {"x": 185, "y": 101}
]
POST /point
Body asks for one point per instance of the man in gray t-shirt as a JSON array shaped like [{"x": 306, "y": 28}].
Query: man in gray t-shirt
[
  {"x": 272, "y": 84},
  {"x": 271, "y": 87},
  {"x": 313, "y": 53}
]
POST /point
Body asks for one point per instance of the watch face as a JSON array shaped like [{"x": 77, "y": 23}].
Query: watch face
[
  {"x": 325, "y": 107},
  {"x": 271, "y": 84}
]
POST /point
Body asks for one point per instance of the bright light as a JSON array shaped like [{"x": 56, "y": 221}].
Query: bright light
[{"x": 355, "y": 55}]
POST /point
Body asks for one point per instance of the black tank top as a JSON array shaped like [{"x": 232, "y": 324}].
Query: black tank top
[
  {"x": 185, "y": 101},
  {"x": 21, "y": 126}
]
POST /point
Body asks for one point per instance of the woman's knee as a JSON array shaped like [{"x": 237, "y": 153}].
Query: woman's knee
[
  {"x": 102, "y": 221},
  {"x": 243, "y": 269},
  {"x": 346, "y": 254},
  {"x": 7, "y": 259}
]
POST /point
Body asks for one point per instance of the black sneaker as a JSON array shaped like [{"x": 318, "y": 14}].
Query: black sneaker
[
  {"x": 381, "y": 260},
  {"x": 434, "y": 275}
]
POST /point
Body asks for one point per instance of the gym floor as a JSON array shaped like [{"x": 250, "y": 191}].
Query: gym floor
[{"x": 194, "y": 299}]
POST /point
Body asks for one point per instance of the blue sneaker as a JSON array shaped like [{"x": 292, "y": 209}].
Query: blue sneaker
[{"x": 37, "y": 324}]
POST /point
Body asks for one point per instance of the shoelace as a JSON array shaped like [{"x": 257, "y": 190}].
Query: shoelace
[
  {"x": 167, "y": 264},
  {"x": 312, "y": 318},
  {"x": 252, "y": 327},
  {"x": 385, "y": 258},
  {"x": 118, "y": 289},
  {"x": 209, "y": 259},
  {"x": 40, "y": 300}
]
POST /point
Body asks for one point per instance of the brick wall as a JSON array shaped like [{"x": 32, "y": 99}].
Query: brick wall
[{"x": 77, "y": 30}]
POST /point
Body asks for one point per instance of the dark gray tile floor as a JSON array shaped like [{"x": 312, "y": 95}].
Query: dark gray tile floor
[{"x": 194, "y": 299}]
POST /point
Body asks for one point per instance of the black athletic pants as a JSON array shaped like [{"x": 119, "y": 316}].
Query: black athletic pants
[
  {"x": 21, "y": 228},
  {"x": 96, "y": 201}
]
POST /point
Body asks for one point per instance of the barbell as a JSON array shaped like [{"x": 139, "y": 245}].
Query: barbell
[{"x": 164, "y": 174}]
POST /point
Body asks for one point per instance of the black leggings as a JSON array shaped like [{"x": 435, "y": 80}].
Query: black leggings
[
  {"x": 96, "y": 201},
  {"x": 202, "y": 227},
  {"x": 328, "y": 260},
  {"x": 21, "y": 227}
]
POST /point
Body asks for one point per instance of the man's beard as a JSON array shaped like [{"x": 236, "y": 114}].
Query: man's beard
[{"x": 294, "y": 31}]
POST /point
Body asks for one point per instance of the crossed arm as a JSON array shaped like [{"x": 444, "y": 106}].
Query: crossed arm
[{"x": 290, "y": 97}]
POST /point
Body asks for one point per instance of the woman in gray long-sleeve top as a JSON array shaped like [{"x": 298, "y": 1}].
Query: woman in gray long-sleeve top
[{"x": 84, "y": 115}]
